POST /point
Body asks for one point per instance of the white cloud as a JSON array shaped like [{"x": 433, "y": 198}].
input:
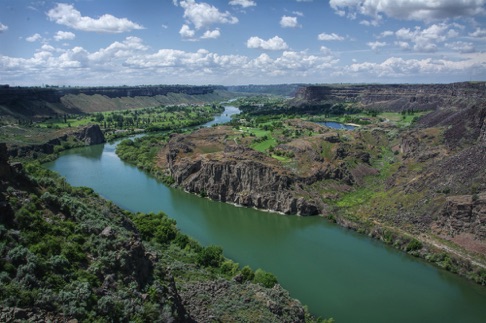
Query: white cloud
[
  {"x": 426, "y": 40},
  {"x": 386, "y": 33},
  {"x": 275, "y": 43},
  {"x": 478, "y": 33},
  {"x": 211, "y": 34},
  {"x": 403, "y": 45},
  {"x": 298, "y": 13},
  {"x": 331, "y": 36},
  {"x": 35, "y": 37},
  {"x": 288, "y": 22},
  {"x": 204, "y": 15},
  {"x": 186, "y": 31},
  {"x": 399, "y": 68},
  {"x": 461, "y": 47},
  {"x": 64, "y": 35},
  {"x": 3, "y": 28},
  {"x": 409, "y": 9},
  {"x": 67, "y": 15},
  {"x": 243, "y": 3},
  {"x": 325, "y": 50},
  {"x": 376, "y": 45},
  {"x": 132, "y": 62}
]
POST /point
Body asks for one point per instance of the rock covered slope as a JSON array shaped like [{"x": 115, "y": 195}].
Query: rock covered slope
[{"x": 65, "y": 254}]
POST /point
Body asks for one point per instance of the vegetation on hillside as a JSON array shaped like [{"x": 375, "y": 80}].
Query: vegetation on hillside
[{"x": 67, "y": 253}]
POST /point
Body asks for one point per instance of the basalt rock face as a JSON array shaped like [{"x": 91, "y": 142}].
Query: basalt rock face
[
  {"x": 239, "y": 175},
  {"x": 397, "y": 97},
  {"x": 4, "y": 165},
  {"x": 91, "y": 135},
  {"x": 465, "y": 214}
]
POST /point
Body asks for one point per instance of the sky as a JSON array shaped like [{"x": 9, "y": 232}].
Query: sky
[{"x": 237, "y": 42}]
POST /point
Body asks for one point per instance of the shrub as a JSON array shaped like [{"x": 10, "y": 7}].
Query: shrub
[
  {"x": 247, "y": 274},
  {"x": 229, "y": 267},
  {"x": 413, "y": 245},
  {"x": 264, "y": 278},
  {"x": 211, "y": 256}
]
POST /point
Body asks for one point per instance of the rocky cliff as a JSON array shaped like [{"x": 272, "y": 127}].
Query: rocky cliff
[
  {"x": 232, "y": 173},
  {"x": 394, "y": 97}
]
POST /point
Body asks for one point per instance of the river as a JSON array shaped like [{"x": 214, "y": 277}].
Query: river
[{"x": 336, "y": 272}]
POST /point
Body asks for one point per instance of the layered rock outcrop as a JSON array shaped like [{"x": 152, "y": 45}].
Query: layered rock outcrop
[
  {"x": 242, "y": 176},
  {"x": 465, "y": 213}
]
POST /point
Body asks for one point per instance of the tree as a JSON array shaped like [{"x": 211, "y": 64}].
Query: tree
[{"x": 211, "y": 256}]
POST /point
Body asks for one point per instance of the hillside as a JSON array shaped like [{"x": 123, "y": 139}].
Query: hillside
[
  {"x": 35, "y": 103},
  {"x": 66, "y": 253}
]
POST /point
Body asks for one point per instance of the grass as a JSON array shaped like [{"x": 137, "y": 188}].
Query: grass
[{"x": 265, "y": 145}]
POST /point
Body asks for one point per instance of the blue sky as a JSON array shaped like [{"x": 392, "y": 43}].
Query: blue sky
[{"x": 230, "y": 42}]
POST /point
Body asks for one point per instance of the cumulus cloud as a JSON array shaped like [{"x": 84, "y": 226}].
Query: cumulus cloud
[
  {"x": 204, "y": 15},
  {"x": 187, "y": 32},
  {"x": 386, "y": 33},
  {"x": 376, "y": 45},
  {"x": 3, "y": 28},
  {"x": 409, "y": 9},
  {"x": 64, "y": 35},
  {"x": 67, "y": 15},
  {"x": 331, "y": 36},
  {"x": 426, "y": 40},
  {"x": 131, "y": 62},
  {"x": 211, "y": 34},
  {"x": 399, "y": 68},
  {"x": 243, "y": 3},
  {"x": 478, "y": 33},
  {"x": 35, "y": 37},
  {"x": 288, "y": 22},
  {"x": 461, "y": 47},
  {"x": 275, "y": 43}
]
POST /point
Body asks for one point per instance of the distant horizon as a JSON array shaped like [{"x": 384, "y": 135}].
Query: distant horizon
[{"x": 54, "y": 86}]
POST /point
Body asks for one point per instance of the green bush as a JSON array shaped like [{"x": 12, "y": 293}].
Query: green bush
[
  {"x": 414, "y": 245},
  {"x": 247, "y": 274},
  {"x": 264, "y": 278},
  {"x": 211, "y": 256}
]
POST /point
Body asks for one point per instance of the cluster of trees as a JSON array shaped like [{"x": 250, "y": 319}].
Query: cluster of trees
[{"x": 157, "y": 118}]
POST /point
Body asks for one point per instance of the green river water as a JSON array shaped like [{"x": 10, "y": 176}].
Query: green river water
[{"x": 336, "y": 272}]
